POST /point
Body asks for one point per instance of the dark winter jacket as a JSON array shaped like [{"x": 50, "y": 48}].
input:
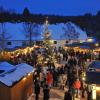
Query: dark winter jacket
[
  {"x": 46, "y": 94},
  {"x": 67, "y": 96},
  {"x": 37, "y": 88}
]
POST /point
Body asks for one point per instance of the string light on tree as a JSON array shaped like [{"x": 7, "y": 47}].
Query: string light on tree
[{"x": 49, "y": 56}]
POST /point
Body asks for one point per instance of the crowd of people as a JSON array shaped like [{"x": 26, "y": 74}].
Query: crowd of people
[{"x": 68, "y": 77}]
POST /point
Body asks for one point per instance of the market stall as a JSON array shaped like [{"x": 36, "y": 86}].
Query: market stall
[
  {"x": 16, "y": 82},
  {"x": 93, "y": 79}
]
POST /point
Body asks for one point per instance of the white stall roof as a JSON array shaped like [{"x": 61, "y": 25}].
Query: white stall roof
[
  {"x": 6, "y": 64},
  {"x": 21, "y": 70},
  {"x": 95, "y": 65},
  {"x": 6, "y": 67}
]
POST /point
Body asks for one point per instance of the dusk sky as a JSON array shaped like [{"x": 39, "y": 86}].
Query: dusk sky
[{"x": 59, "y": 7}]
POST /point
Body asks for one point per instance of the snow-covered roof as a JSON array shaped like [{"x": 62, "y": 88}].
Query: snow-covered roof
[
  {"x": 5, "y": 67},
  {"x": 73, "y": 31},
  {"x": 95, "y": 64},
  {"x": 17, "y": 33},
  {"x": 93, "y": 73},
  {"x": 20, "y": 71},
  {"x": 6, "y": 64}
]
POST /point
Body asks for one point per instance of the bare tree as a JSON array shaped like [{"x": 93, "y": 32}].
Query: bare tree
[
  {"x": 70, "y": 32},
  {"x": 4, "y": 36},
  {"x": 31, "y": 30}
]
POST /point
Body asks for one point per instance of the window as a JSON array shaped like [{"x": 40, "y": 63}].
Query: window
[
  {"x": 55, "y": 42},
  {"x": 66, "y": 41},
  {"x": 24, "y": 43},
  {"x": 8, "y": 43}
]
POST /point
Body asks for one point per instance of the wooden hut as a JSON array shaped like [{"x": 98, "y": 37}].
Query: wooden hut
[
  {"x": 93, "y": 79},
  {"x": 16, "y": 82}
]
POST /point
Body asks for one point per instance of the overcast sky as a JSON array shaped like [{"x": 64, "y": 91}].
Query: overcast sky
[{"x": 60, "y": 7}]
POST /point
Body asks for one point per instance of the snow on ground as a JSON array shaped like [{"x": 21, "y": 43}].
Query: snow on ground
[{"x": 21, "y": 70}]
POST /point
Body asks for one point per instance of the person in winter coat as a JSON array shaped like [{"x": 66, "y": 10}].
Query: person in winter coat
[
  {"x": 67, "y": 96},
  {"x": 89, "y": 92},
  {"x": 55, "y": 78},
  {"x": 63, "y": 81},
  {"x": 89, "y": 95},
  {"x": 46, "y": 92},
  {"x": 70, "y": 61},
  {"x": 77, "y": 86},
  {"x": 37, "y": 90},
  {"x": 41, "y": 78},
  {"x": 49, "y": 78}
]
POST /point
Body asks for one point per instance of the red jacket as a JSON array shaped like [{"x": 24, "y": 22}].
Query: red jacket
[
  {"x": 49, "y": 78},
  {"x": 77, "y": 84}
]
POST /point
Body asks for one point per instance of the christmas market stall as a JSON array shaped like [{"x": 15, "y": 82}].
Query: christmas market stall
[
  {"x": 83, "y": 46},
  {"x": 93, "y": 79},
  {"x": 16, "y": 82}
]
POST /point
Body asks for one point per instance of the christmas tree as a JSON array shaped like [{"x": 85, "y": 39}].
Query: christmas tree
[
  {"x": 48, "y": 44},
  {"x": 48, "y": 55}
]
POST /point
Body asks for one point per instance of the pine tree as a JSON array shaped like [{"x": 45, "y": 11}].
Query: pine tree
[
  {"x": 49, "y": 55},
  {"x": 48, "y": 44}
]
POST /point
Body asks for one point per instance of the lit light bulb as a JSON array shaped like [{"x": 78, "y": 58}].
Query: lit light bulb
[{"x": 24, "y": 78}]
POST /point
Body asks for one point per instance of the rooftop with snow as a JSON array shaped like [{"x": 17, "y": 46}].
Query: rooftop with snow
[
  {"x": 10, "y": 74},
  {"x": 57, "y": 31}
]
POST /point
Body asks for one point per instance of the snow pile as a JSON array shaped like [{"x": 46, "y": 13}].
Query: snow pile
[{"x": 21, "y": 70}]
